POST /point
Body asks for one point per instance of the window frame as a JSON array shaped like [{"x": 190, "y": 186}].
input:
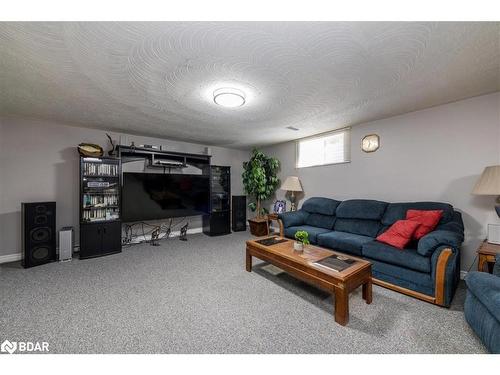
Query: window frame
[{"x": 347, "y": 147}]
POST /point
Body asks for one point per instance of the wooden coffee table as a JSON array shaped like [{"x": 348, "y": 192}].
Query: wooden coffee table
[{"x": 301, "y": 266}]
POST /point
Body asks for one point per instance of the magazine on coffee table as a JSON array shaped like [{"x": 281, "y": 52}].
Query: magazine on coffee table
[
  {"x": 271, "y": 241},
  {"x": 335, "y": 262}
]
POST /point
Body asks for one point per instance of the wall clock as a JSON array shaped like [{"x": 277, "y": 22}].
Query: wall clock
[{"x": 370, "y": 143}]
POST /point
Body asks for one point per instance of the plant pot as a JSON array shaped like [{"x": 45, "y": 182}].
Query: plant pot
[
  {"x": 259, "y": 227},
  {"x": 298, "y": 246}
]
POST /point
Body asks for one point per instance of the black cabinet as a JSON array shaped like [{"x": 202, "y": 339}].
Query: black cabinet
[
  {"x": 90, "y": 240},
  {"x": 98, "y": 239},
  {"x": 100, "y": 201},
  {"x": 218, "y": 222},
  {"x": 111, "y": 237}
]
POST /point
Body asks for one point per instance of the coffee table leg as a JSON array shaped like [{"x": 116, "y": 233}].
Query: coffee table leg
[
  {"x": 367, "y": 291},
  {"x": 249, "y": 261},
  {"x": 341, "y": 305}
]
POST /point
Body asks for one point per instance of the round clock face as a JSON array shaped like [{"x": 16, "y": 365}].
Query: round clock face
[{"x": 370, "y": 143}]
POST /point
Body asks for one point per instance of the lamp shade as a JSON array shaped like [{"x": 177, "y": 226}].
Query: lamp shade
[
  {"x": 292, "y": 183},
  {"x": 489, "y": 182}
]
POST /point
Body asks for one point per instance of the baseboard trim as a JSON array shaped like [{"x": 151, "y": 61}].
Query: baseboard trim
[
  {"x": 189, "y": 231},
  {"x": 177, "y": 233},
  {"x": 19, "y": 256},
  {"x": 10, "y": 258}
]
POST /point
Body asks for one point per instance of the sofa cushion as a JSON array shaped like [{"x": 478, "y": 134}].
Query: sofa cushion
[
  {"x": 312, "y": 231},
  {"x": 397, "y": 211},
  {"x": 430, "y": 242},
  {"x": 361, "y": 209},
  {"x": 317, "y": 205},
  {"x": 409, "y": 258},
  {"x": 456, "y": 224},
  {"x": 404, "y": 277},
  {"x": 344, "y": 242},
  {"x": 358, "y": 226},
  {"x": 486, "y": 288},
  {"x": 428, "y": 220},
  {"x": 293, "y": 218},
  {"x": 399, "y": 234},
  {"x": 320, "y": 220}
]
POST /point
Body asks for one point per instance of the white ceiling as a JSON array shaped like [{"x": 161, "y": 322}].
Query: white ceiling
[{"x": 157, "y": 79}]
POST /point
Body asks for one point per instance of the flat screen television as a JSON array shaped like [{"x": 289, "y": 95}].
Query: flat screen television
[{"x": 154, "y": 196}]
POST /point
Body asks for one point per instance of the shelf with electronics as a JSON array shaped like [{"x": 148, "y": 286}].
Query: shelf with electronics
[
  {"x": 156, "y": 158},
  {"x": 101, "y": 188},
  {"x": 217, "y": 219}
]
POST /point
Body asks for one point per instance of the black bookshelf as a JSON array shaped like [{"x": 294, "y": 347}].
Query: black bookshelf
[
  {"x": 218, "y": 222},
  {"x": 100, "y": 206}
]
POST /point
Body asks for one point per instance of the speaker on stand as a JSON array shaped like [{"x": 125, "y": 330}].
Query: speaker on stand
[
  {"x": 239, "y": 207},
  {"x": 39, "y": 233}
]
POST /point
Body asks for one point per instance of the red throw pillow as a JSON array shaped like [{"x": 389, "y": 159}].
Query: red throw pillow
[
  {"x": 428, "y": 220},
  {"x": 399, "y": 234}
]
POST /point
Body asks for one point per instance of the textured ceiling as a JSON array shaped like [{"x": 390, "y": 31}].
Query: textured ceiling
[{"x": 158, "y": 78}]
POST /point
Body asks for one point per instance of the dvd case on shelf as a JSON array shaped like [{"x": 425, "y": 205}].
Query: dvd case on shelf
[{"x": 100, "y": 192}]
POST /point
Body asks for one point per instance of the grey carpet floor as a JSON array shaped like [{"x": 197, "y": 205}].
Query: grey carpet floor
[{"x": 196, "y": 297}]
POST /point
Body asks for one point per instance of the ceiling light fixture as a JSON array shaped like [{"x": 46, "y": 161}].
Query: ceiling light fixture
[{"x": 229, "y": 97}]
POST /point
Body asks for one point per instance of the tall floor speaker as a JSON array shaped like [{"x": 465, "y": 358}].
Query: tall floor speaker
[
  {"x": 239, "y": 207},
  {"x": 39, "y": 233}
]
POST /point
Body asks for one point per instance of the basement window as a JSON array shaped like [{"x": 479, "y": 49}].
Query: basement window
[{"x": 324, "y": 149}]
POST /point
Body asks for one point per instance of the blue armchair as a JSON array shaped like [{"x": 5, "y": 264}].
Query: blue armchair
[{"x": 482, "y": 306}]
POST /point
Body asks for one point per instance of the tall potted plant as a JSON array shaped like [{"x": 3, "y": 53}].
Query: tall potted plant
[{"x": 260, "y": 182}]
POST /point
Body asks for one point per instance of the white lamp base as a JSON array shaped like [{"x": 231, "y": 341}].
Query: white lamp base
[{"x": 292, "y": 202}]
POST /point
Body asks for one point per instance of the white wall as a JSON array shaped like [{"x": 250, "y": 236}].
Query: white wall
[
  {"x": 39, "y": 162},
  {"x": 435, "y": 154}
]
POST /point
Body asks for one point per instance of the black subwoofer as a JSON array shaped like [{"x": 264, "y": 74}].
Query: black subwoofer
[
  {"x": 239, "y": 207},
  {"x": 39, "y": 233}
]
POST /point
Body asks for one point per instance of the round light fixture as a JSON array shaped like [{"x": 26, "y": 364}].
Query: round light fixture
[{"x": 229, "y": 97}]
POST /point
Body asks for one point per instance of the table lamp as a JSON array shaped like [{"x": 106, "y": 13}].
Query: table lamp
[
  {"x": 489, "y": 184},
  {"x": 292, "y": 184}
]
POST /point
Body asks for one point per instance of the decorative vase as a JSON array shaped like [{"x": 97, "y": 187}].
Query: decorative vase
[{"x": 298, "y": 246}]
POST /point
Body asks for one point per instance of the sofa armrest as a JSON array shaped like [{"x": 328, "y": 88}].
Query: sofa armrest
[
  {"x": 445, "y": 272},
  {"x": 433, "y": 240},
  {"x": 486, "y": 288},
  {"x": 293, "y": 218}
]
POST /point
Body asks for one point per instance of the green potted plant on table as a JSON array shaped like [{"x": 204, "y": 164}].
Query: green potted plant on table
[
  {"x": 260, "y": 181},
  {"x": 301, "y": 239}
]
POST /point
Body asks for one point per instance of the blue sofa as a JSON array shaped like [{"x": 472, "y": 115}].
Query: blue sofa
[
  {"x": 429, "y": 269},
  {"x": 482, "y": 306}
]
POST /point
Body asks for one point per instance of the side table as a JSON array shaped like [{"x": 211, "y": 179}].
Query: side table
[{"x": 486, "y": 253}]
